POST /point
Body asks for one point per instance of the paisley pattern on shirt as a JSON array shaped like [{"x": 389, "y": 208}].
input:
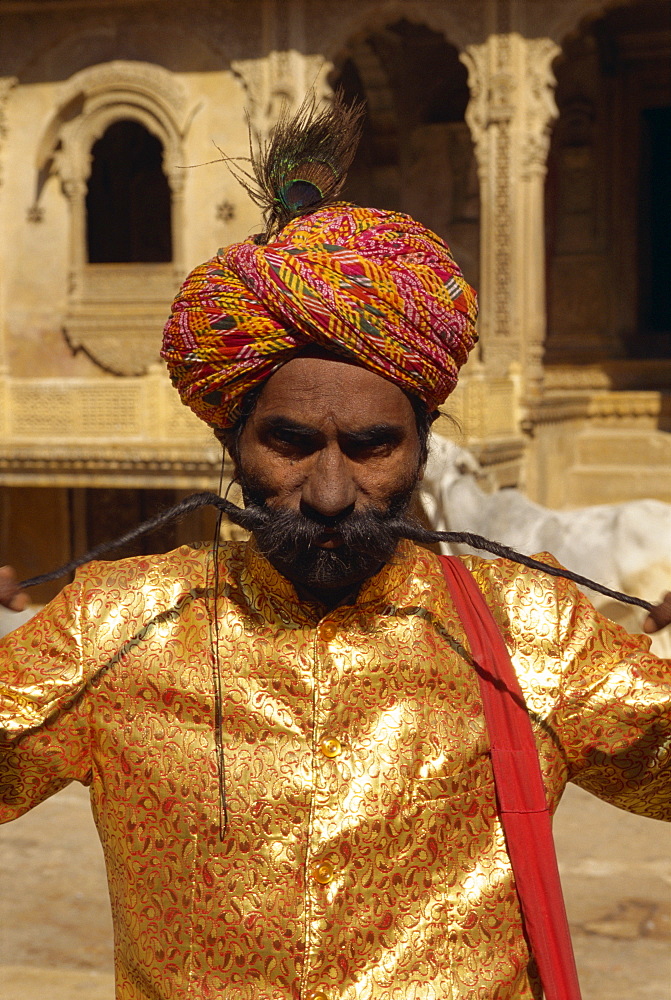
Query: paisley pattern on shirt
[{"x": 363, "y": 856}]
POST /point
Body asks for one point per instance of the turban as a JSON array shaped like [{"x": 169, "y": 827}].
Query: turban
[{"x": 374, "y": 287}]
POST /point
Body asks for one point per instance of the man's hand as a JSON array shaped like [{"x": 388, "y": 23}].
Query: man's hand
[
  {"x": 10, "y": 595},
  {"x": 660, "y": 616}
]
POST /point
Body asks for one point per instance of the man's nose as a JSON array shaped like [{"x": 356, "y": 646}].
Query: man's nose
[{"x": 329, "y": 492}]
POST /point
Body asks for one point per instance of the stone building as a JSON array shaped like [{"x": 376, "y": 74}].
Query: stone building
[{"x": 532, "y": 134}]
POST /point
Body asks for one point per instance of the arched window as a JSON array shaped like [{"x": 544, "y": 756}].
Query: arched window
[{"x": 128, "y": 211}]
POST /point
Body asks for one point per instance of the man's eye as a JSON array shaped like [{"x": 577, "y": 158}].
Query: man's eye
[
  {"x": 289, "y": 439},
  {"x": 371, "y": 449}
]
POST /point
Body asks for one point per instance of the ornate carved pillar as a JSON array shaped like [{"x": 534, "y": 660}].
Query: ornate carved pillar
[
  {"x": 510, "y": 115},
  {"x": 74, "y": 189},
  {"x": 540, "y": 112},
  {"x": 7, "y": 84},
  {"x": 176, "y": 180}
]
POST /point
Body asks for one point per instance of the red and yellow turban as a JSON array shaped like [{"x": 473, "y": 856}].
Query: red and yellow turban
[{"x": 375, "y": 287}]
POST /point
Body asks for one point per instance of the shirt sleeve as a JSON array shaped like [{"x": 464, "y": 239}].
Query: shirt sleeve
[
  {"x": 599, "y": 700},
  {"x": 614, "y": 710},
  {"x": 44, "y": 729},
  {"x": 56, "y": 669}
]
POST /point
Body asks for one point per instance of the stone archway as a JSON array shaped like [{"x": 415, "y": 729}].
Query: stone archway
[
  {"x": 113, "y": 303},
  {"x": 416, "y": 153}
]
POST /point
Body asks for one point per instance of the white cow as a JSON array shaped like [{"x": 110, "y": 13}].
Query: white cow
[{"x": 626, "y": 546}]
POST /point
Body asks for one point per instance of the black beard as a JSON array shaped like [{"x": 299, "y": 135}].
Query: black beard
[{"x": 288, "y": 539}]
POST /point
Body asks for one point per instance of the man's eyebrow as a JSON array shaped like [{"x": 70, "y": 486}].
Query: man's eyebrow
[
  {"x": 287, "y": 424},
  {"x": 376, "y": 433}
]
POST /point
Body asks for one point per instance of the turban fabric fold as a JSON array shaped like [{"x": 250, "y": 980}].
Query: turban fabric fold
[{"x": 375, "y": 287}]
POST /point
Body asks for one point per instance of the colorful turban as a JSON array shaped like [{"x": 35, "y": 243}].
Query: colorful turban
[{"x": 376, "y": 287}]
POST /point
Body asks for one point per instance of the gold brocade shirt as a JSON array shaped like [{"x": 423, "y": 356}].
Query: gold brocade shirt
[{"x": 363, "y": 856}]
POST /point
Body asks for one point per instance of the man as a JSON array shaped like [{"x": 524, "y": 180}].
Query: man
[{"x": 333, "y": 833}]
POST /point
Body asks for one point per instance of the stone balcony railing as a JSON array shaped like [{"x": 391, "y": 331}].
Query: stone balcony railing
[{"x": 102, "y": 432}]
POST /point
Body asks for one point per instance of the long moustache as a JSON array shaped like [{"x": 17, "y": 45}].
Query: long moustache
[
  {"x": 383, "y": 527},
  {"x": 256, "y": 518}
]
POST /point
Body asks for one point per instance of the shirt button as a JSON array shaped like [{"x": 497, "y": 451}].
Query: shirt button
[
  {"x": 323, "y": 873},
  {"x": 331, "y": 747},
  {"x": 328, "y": 630},
  {"x": 316, "y": 995}
]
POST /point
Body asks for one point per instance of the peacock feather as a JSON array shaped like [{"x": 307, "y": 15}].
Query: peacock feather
[{"x": 303, "y": 165}]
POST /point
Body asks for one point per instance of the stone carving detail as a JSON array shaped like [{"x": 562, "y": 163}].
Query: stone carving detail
[
  {"x": 252, "y": 75},
  {"x": 224, "y": 211},
  {"x": 117, "y": 313},
  {"x": 541, "y": 107},
  {"x": 489, "y": 115},
  {"x": 280, "y": 80},
  {"x": 74, "y": 431},
  {"x": 142, "y": 78},
  {"x": 35, "y": 214},
  {"x": 510, "y": 115},
  {"x": 476, "y": 58},
  {"x": 7, "y": 84},
  {"x": 103, "y": 94}
]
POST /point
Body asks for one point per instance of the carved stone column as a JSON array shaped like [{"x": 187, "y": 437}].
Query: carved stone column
[
  {"x": 74, "y": 189},
  {"x": 510, "y": 115},
  {"x": 176, "y": 180},
  {"x": 7, "y": 84}
]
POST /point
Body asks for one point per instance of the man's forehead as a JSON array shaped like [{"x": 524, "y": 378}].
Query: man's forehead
[{"x": 310, "y": 388}]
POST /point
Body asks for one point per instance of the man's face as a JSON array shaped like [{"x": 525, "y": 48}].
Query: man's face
[{"x": 327, "y": 444}]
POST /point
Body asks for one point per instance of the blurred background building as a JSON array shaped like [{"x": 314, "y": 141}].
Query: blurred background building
[{"x": 534, "y": 135}]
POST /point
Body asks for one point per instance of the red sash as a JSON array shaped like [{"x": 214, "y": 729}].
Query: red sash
[{"x": 522, "y": 807}]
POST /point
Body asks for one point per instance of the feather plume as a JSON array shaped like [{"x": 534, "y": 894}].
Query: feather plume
[{"x": 303, "y": 165}]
